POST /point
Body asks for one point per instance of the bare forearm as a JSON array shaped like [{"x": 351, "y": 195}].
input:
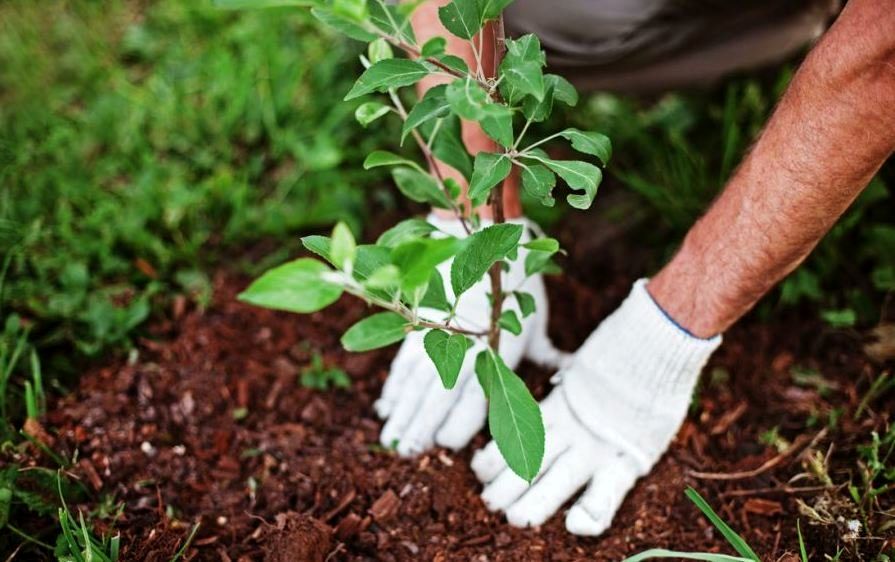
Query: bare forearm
[{"x": 830, "y": 134}]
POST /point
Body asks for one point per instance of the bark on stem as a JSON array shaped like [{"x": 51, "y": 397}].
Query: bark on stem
[{"x": 495, "y": 273}]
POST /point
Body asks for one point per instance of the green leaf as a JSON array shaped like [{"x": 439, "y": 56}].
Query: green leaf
[
  {"x": 390, "y": 19},
  {"x": 467, "y": 99},
  {"x": 498, "y": 124},
  {"x": 589, "y": 142},
  {"x": 453, "y": 62},
  {"x": 379, "y": 158},
  {"x": 521, "y": 69},
  {"x": 485, "y": 371},
  {"x": 735, "y": 540},
  {"x": 297, "y": 286},
  {"x": 405, "y": 230},
  {"x": 352, "y": 10},
  {"x": 368, "y": 257},
  {"x": 435, "y": 296},
  {"x": 538, "y": 181},
  {"x": 379, "y": 50},
  {"x": 526, "y": 303},
  {"x": 386, "y": 277},
  {"x": 239, "y": 4},
  {"x": 420, "y": 187},
  {"x": 434, "y": 46},
  {"x": 449, "y": 148},
  {"x": 461, "y": 17},
  {"x": 417, "y": 259},
  {"x": 523, "y": 79},
  {"x": 342, "y": 25},
  {"x": 370, "y": 111},
  {"x": 386, "y": 74},
  {"x": 510, "y": 322},
  {"x": 580, "y": 176},
  {"x": 488, "y": 170},
  {"x": 482, "y": 249},
  {"x": 342, "y": 247},
  {"x": 563, "y": 90},
  {"x": 378, "y": 330},
  {"x": 447, "y": 352},
  {"x": 514, "y": 419},
  {"x": 543, "y": 245},
  {"x": 538, "y": 262},
  {"x": 434, "y": 105},
  {"x": 491, "y": 9}
]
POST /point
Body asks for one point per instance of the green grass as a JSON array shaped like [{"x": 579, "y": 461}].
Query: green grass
[{"x": 138, "y": 144}]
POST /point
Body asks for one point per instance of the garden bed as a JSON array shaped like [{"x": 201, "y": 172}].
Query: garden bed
[{"x": 208, "y": 423}]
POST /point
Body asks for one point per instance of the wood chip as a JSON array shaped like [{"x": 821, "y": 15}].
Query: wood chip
[
  {"x": 348, "y": 527},
  {"x": 386, "y": 507},
  {"x": 761, "y": 506},
  {"x": 729, "y": 419}
]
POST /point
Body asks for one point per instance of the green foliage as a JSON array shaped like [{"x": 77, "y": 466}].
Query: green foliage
[
  {"x": 140, "y": 143},
  {"x": 447, "y": 352},
  {"x": 399, "y": 273},
  {"x": 319, "y": 377}
]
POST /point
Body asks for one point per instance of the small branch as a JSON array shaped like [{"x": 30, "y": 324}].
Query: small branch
[
  {"x": 353, "y": 288},
  {"x": 800, "y": 444},
  {"x": 415, "y": 53}
]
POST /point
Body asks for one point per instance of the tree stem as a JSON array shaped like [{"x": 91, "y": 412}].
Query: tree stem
[{"x": 495, "y": 273}]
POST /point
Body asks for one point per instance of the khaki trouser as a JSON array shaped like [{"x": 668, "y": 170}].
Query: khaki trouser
[{"x": 642, "y": 46}]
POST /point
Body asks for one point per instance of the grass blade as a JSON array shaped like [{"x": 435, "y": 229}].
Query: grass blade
[
  {"x": 735, "y": 540},
  {"x": 706, "y": 556}
]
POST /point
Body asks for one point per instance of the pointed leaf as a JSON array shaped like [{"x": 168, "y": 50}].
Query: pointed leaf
[
  {"x": 370, "y": 111},
  {"x": 461, "y": 17},
  {"x": 491, "y": 9},
  {"x": 526, "y": 303},
  {"x": 342, "y": 247},
  {"x": 342, "y": 25},
  {"x": 447, "y": 352},
  {"x": 488, "y": 170},
  {"x": 417, "y": 259},
  {"x": 498, "y": 124},
  {"x": 590, "y": 142},
  {"x": 297, "y": 286},
  {"x": 449, "y": 148},
  {"x": 386, "y": 74},
  {"x": 405, "y": 230},
  {"x": 433, "y": 106},
  {"x": 510, "y": 322},
  {"x": 379, "y": 158},
  {"x": 481, "y": 251},
  {"x": 434, "y": 46},
  {"x": 435, "y": 296},
  {"x": 538, "y": 181},
  {"x": 420, "y": 187},
  {"x": 378, "y": 330},
  {"x": 467, "y": 99},
  {"x": 514, "y": 420}
]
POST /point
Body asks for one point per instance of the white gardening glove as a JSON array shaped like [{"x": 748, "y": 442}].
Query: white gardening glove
[
  {"x": 419, "y": 411},
  {"x": 612, "y": 415}
]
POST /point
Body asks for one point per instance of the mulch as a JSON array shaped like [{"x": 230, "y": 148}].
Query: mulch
[{"x": 207, "y": 423}]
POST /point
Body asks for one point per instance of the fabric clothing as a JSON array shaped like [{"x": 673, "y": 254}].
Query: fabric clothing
[{"x": 648, "y": 45}]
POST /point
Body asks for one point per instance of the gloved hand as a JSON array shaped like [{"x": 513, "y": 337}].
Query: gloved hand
[
  {"x": 420, "y": 412},
  {"x": 613, "y": 414}
]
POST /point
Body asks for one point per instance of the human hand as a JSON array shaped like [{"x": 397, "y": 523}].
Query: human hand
[
  {"x": 419, "y": 411},
  {"x": 612, "y": 415}
]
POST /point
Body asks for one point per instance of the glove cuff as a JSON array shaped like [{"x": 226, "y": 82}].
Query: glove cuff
[{"x": 638, "y": 367}]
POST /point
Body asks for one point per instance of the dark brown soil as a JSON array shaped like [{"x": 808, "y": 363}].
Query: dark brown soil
[{"x": 209, "y": 424}]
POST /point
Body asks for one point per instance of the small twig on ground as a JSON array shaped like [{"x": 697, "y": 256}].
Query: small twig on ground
[{"x": 801, "y": 443}]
